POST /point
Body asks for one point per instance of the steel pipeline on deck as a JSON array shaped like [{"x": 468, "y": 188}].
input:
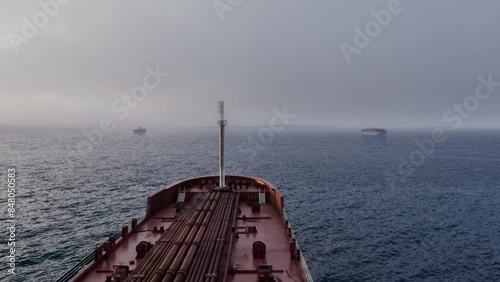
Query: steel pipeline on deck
[
  {"x": 195, "y": 246},
  {"x": 144, "y": 270}
]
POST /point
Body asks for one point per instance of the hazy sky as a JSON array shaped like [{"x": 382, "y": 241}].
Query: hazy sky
[{"x": 263, "y": 54}]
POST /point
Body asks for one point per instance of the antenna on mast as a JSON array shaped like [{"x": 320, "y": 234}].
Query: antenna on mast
[{"x": 222, "y": 123}]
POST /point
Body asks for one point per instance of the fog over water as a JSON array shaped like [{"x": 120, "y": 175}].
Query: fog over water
[{"x": 423, "y": 60}]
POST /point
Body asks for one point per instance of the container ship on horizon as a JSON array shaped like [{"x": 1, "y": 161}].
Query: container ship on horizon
[
  {"x": 211, "y": 228},
  {"x": 140, "y": 131},
  {"x": 374, "y": 131}
]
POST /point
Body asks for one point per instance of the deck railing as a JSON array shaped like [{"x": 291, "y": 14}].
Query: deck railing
[{"x": 70, "y": 274}]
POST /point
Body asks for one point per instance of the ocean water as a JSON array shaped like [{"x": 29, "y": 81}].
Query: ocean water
[{"x": 440, "y": 222}]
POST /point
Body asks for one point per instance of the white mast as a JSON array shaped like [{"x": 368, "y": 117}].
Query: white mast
[{"x": 222, "y": 123}]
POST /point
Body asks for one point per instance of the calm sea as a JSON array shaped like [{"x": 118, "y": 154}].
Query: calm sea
[{"x": 438, "y": 221}]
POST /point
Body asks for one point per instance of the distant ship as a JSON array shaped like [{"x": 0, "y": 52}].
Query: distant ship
[
  {"x": 374, "y": 131},
  {"x": 216, "y": 228},
  {"x": 140, "y": 131}
]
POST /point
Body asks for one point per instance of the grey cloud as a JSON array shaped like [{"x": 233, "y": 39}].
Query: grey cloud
[{"x": 264, "y": 54}]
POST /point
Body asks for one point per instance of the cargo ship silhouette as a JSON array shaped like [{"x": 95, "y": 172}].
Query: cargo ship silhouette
[
  {"x": 374, "y": 131},
  {"x": 209, "y": 228},
  {"x": 140, "y": 131}
]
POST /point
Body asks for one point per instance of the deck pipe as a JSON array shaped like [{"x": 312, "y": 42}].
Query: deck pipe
[
  {"x": 196, "y": 262},
  {"x": 170, "y": 274},
  {"x": 183, "y": 271},
  {"x": 151, "y": 257},
  {"x": 223, "y": 270},
  {"x": 212, "y": 247},
  {"x": 208, "y": 260},
  {"x": 221, "y": 241},
  {"x": 201, "y": 249},
  {"x": 178, "y": 245},
  {"x": 170, "y": 240},
  {"x": 159, "y": 247},
  {"x": 203, "y": 255},
  {"x": 173, "y": 240},
  {"x": 196, "y": 234}
]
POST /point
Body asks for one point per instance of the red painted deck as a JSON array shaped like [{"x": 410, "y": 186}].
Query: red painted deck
[{"x": 210, "y": 239}]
